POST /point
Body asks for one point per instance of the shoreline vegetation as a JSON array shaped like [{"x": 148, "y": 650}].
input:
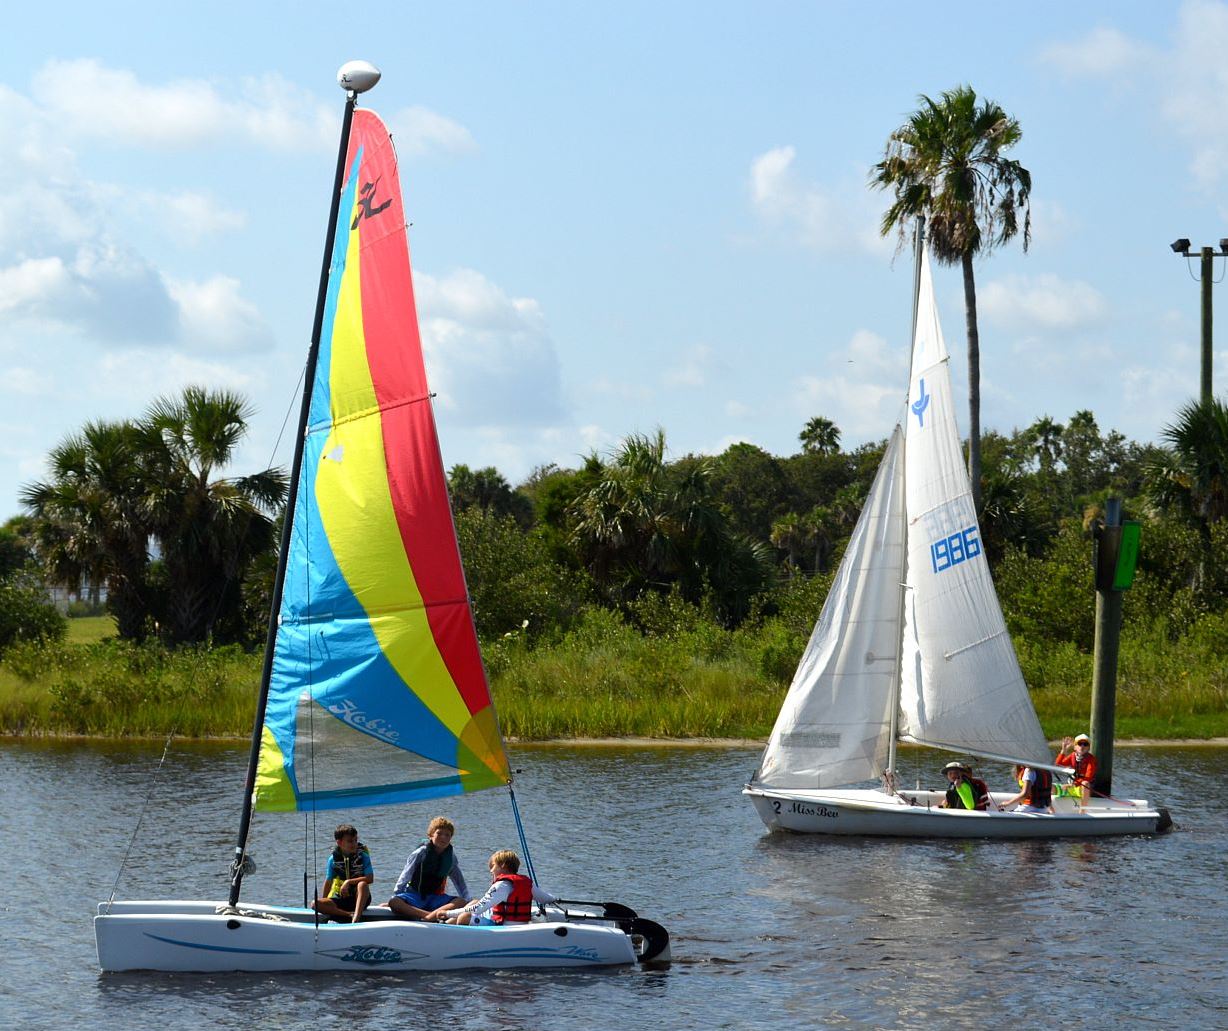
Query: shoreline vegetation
[{"x": 601, "y": 683}]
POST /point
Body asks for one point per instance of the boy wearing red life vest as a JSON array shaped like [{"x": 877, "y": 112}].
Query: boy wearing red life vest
[{"x": 509, "y": 899}]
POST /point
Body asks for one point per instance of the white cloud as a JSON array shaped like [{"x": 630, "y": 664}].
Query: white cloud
[
  {"x": 815, "y": 216},
  {"x": 417, "y": 130},
  {"x": 26, "y": 381},
  {"x": 214, "y": 317},
  {"x": 693, "y": 369},
  {"x": 490, "y": 356},
  {"x": 88, "y": 99},
  {"x": 863, "y": 389},
  {"x": 737, "y": 409},
  {"x": 1042, "y": 302},
  {"x": 194, "y": 216},
  {"x": 1103, "y": 51},
  {"x": 141, "y": 374},
  {"x": 103, "y": 291},
  {"x": 1185, "y": 81}
]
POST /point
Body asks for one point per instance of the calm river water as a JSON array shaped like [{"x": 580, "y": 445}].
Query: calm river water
[{"x": 768, "y": 929}]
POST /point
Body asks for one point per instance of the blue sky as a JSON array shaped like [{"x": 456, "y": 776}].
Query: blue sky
[{"x": 623, "y": 216}]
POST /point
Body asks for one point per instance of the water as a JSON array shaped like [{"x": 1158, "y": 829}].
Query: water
[{"x": 768, "y": 929}]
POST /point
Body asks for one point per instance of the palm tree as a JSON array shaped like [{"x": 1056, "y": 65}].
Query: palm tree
[
  {"x": 1190, "y": 477},
  {"x": 647, "y": 525},
  {"x": 946, "y": 163},
  {"x": 208, "y": 527},
  {"x": 820, "y": 436},
  {"x": 90, "y": 520}
]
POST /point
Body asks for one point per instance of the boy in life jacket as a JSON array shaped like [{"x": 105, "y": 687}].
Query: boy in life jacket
[
  {"x": 964, "y": 791},
  {"x": 510, "y": 898},
  {"x": 421, "y": 890},
  {"x": 1035, "y": 791},
  {"x": 347, "y": 878}
]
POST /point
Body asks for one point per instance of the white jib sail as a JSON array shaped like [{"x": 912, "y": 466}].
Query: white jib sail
[
  {"x": 960, "y": 680},
  {"x": 835, "y": 724}
]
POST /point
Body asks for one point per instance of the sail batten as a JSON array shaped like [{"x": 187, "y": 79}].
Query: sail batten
[{"x": 377, "y": 693}]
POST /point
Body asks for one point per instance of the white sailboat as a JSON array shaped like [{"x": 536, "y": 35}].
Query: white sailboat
[
  {"x": 911, "y": 646},
  {"x": 373, "y": 690}
]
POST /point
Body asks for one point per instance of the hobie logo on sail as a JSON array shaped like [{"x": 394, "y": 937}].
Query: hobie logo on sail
[
  {"x": 921, "y": 404},
  {"x": 347, "y": 712},
  {"x": 366, "y": 202}
]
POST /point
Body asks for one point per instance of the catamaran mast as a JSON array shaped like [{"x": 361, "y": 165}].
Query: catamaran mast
[
  {"x": 919, "y": 249},
  {"x": 354, "y": 77}
]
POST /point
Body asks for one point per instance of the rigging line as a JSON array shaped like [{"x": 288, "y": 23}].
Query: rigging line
[
  {"x": 294, "y": 396},
  {"x": 524, "y": 842},
  {"x": 137, "y": 830}
]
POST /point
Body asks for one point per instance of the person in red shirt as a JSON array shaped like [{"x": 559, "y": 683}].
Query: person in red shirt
[{"x": 1077, "y": 756}]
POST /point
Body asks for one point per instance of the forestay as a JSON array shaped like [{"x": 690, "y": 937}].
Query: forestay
[{"x": 377, "y": 693}]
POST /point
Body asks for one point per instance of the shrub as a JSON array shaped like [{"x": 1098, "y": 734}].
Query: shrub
[{"x": 26, "y": 614}]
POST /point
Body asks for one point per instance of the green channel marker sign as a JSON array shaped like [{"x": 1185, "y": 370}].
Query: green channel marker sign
[{"x": 1127, "y": 555}]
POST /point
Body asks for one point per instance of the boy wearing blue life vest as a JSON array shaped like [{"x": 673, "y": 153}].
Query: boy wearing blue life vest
[
  {"x": 347, "y": 878},
  {"x": 509, "y": 900},
  {"x": 420, "y": 892}
]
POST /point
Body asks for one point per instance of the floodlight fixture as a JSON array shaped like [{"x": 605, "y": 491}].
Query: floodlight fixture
[{"x": 1181, "y": 246}]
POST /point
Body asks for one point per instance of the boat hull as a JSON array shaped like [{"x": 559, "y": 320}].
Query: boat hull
[
  {"x": 869, "y": 813},
  {"x": 192, "y": 936}
]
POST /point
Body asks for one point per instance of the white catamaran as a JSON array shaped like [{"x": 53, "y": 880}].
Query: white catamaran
[
  {"x": 911, "y": 646},
  {"x": 373, "y": 690}
]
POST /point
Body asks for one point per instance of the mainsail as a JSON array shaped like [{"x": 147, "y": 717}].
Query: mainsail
[
  {"x": 961, "y": 687},
  {"x": 377, "y": 692}
]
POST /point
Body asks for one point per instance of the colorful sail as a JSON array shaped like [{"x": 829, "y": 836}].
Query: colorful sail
[{"x": 377, "y": 693}]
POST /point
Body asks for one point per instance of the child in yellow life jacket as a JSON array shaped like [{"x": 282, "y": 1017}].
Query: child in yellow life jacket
[{"x": 510, "y": 898}]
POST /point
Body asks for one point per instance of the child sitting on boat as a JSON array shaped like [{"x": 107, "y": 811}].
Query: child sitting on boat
[
  {"x": 964, "y": 791},
  {"x": 347, "y": 878},
  {"x": 510, "y": 898},
  {"x": 1035, "y": 791},
  {"x": 420, "y": 892}
]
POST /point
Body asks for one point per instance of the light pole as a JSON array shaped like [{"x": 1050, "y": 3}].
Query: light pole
[{"x": 1182, "y": 247}]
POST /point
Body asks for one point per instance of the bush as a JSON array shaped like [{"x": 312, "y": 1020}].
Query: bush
[{"x": 26, "y": 614}]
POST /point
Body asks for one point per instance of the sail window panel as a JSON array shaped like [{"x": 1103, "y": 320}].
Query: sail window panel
[{"x": 333, "y": 757}]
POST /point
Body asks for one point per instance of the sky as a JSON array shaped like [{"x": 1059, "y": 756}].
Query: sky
[{"x": 623, "y": 217}]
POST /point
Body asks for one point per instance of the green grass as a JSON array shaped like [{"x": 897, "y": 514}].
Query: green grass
[
  {"x": 116, "y": 689},
  {"x": 89, "y": 629},
  {"x": 603, "y": 679}
]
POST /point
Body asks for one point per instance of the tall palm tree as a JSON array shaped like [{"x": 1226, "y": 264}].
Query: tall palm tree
[
  {"x": 208, "y": 527},
  {"x": 947, "y": 163}
]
